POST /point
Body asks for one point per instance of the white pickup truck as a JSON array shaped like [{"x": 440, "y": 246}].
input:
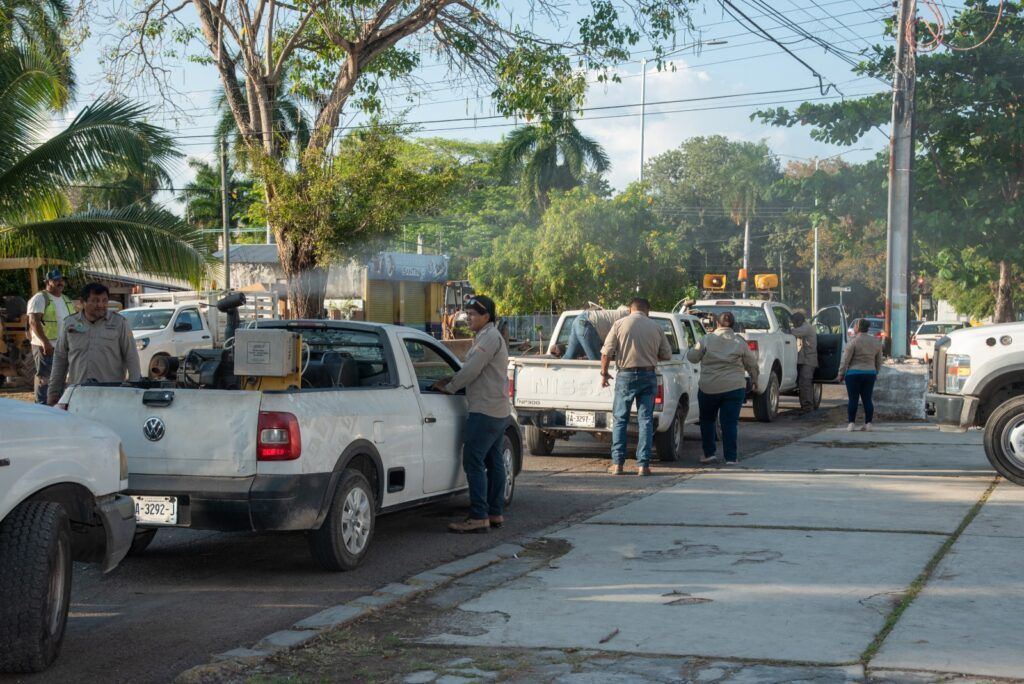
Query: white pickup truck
[
  {"x": 362, "y": 434},
  {"x": 977, "y": 380},
  {"x": 556, "y": 398},
  {"x": 767, "y": 326},
  {"x": 60, "y": 501}
]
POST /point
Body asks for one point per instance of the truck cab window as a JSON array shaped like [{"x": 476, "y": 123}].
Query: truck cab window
[
  {"x": 785, "y": 322},
  {"x": 670, "y": 332},
  {"x": 429, "y": 364}
]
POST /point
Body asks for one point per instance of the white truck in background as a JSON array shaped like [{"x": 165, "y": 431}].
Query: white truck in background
[
  {"x": 767, "y": 326},
  {"x": 555, "y": 398},
  {"x": 171, "y": 324}
]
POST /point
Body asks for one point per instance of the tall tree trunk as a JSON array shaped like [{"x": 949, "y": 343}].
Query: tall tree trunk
[
  {"x": 1005, "y": 310},
  {"x": 307, "y": 282}
]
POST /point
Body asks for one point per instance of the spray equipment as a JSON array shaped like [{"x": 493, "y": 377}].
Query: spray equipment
[{"x": 215, "y": 368}]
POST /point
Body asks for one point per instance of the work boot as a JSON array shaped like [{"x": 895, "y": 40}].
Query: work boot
[
  {"x": 615, "y": 469},
  {"x": 643, "y": 471},
  {"x": 470, "y": 526},
  {"x": 496, "y": 520}
]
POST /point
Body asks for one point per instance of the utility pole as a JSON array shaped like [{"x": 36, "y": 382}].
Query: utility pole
[
  {"x": 901, "y": 159},
  {"x": 782, "y": 280},
  {"x": 814, "y": 270},
  {"x": 225, "y": 210},
  {"x": 643, "y": 111},
  {"x": 746, "y": 256}
]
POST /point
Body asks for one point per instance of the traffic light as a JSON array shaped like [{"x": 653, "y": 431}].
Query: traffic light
[
  {"x": 714, "y": 281},
  {"x": 766, "y": 281}
]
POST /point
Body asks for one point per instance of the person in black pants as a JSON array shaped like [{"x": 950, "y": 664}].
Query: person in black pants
[{"x": 862, "y": 361}]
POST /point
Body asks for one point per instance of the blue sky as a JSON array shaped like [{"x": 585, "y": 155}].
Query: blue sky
[{"x": 734, "y": 78}]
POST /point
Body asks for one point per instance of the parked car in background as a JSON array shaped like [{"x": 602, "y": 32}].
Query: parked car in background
[
  {"x": 922, "y": 342},
  {"x": 60, "y": 483},
  {"x": 877, "y": 326},
  {"x": 168, "y": 331}
]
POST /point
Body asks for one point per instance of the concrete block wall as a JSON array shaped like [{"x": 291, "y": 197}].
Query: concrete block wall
[{"x": 899, "y": 391}]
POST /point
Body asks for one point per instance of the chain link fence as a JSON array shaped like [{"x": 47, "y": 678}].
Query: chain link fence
[{"x": 533, "y": 328}]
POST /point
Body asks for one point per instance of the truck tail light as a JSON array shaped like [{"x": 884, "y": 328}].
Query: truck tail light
[
  {"x": 278, "y": 437},
  {"x": 659, "y": 397},
  {"x": 752, "y": 344},
  {"x": 913, "y": 341},
  {"x": 512, "y": 385}
]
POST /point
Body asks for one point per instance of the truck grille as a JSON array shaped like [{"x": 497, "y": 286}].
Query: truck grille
[{"x": 937, "y": 381}]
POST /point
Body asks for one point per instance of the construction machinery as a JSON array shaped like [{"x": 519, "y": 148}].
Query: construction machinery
[{"x": 16, "y": 363}]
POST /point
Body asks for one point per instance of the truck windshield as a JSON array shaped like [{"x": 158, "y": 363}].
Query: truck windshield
[
  {"x": 148, "y": 319},
  {"x": 748, "y": 317}
]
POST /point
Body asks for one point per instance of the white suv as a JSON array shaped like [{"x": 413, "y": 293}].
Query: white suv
[{"x": 60, "y": 478}]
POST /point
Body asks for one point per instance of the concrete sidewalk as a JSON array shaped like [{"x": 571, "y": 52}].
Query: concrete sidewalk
[{"x": 845, "y": 556}]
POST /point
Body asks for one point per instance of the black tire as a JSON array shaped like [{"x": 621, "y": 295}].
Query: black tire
[
  {"x": 670, "y": 442},
  {"x": 816, "y": 395},
  {"x": 344, "y": 539},
  {"x": 512, "y": 460},
  {"x": 1004, "y": 440},
  {"x": 766, "y": 404},
  {"x": 143, "y": 538},
  {"x": 35, "y": 585},
  {"x": 539, "y": 442}
]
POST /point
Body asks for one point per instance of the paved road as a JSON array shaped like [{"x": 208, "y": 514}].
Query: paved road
[{"x": 195, "y": 593}]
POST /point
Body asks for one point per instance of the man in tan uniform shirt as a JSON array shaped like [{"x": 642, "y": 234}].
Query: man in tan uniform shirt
[
  {"x": 94, "y": 344},
  {"x": 637, "y": 344},
  {"x": 806, "y": 359}
]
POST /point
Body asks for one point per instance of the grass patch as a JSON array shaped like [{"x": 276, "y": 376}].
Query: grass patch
[{"x": 922, "y": 579}]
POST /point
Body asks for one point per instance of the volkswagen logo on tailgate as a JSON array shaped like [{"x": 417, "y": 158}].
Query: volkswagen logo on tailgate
[{"x": 153, "y": 429}]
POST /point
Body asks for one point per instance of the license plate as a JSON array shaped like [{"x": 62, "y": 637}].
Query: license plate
[
  {"x": 584, "y": 419},
  {"x": 156, "y": 510}
]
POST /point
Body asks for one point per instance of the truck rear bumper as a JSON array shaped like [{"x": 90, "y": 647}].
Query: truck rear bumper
[
  {"x": 952, "y": 410},
  {"x": 554, "y": 419},
  {"x": 259, "y": 502}
]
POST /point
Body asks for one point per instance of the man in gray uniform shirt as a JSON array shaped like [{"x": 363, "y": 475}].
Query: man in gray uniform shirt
[{"x": 637, "y": 344}]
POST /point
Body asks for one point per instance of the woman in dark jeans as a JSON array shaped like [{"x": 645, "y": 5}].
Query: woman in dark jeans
[
  {"x": 724, "y": 357},
  {"x": 862, "y": 361}
]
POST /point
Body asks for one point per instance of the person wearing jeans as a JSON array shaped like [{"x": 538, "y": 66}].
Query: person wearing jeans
[
  {"x": 589, "y": 331},
  {"x": 862, "y": 361},
  {"x": 637, "y": 344},
  {"x": 724, "y": 357},
  {"x": 485, "y": 377}
]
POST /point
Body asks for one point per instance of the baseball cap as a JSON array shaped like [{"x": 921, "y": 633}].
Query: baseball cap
[{"x": 55, "y": 274}]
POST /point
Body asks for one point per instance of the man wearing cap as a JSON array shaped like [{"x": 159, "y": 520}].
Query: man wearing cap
[
  {"x": 637, "y": 344},
  {"x": 46, "y": 311},
  {"x": 485, "y": 377},
  {"x": 94, "y": 344}
]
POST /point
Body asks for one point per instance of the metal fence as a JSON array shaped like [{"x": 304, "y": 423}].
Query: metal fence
[{"x": 534, "y": 328}]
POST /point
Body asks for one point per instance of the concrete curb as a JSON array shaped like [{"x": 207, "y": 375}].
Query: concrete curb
[{"x": 309, "y": 628}]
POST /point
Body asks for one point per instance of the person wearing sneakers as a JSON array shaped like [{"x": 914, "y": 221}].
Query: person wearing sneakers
[
  {"x": 724, "y": 356},
  {"x": 637, "y": 344},
  {"x": 485, "y": 377},
  {"x": 862, "y": 361}
]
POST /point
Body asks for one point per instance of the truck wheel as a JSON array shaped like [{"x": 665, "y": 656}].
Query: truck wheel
[
  {"x": 1004, "y": 440},
  {"x": 816, "y": 394},
  {"x": 539, "y": 442},
  {"x": 143, "y": 538},
  {"x": 35, "y": 585},
  {"x": 670, "y": 442},
  {"x": 508, "y": 456},
  {"x": 766, "y": 404},
  {"x": 342, "y": 541}
]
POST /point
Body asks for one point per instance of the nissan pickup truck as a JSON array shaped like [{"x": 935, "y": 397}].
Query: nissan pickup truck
[
  {"x": 61, "y": 479},
  {"x": 976, "y": 379},
  {"x": 767, "y": 326},
  {"x": 556, "y": 398},
  {"x": 362, "y": 434}
]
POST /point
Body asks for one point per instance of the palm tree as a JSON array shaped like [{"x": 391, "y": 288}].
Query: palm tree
[
  {"x": 551, "y": 155},
  {"x": 202, "y": 200},
  {"x": 35, "y": 214},
  {"x": 37, "y": 26}
]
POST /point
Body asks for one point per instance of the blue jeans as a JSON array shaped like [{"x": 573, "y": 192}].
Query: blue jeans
[
  {"x": 639, "y": 386},
  {"x": 484, "y": 465},
  {"x": 860, "y": 386},
  {"x": 583, "y": 338},
  {"x": 41, "y": 381},
  {"x": 728, "y": 404}
]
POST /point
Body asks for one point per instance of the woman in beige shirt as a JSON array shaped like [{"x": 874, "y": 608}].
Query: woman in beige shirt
[{"x": 862, "y": 361}]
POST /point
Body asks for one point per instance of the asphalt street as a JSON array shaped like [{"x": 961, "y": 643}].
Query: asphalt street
[{"x": 194, "y": 594}]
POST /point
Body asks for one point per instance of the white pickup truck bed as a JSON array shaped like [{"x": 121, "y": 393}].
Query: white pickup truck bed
[{"x": 555, "y": 398}]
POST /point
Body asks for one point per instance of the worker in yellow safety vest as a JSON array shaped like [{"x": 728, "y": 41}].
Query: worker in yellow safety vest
[{"x": 46, "y": 311}]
